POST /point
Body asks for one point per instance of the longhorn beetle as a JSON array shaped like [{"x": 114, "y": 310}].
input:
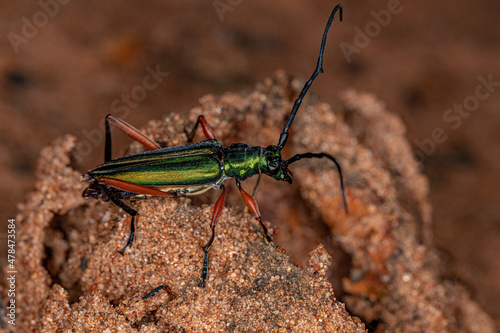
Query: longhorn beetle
[{"x": 196, "y": 167}]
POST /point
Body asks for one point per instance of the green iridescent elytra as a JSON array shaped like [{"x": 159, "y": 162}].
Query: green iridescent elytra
[{"x": 192, "y": 169}]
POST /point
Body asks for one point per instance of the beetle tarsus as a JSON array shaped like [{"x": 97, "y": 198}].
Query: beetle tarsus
[
  {"x": 131, "y": 237},
  {"x": 268, "y": 239},
  {"x": 204, "y": 271}
]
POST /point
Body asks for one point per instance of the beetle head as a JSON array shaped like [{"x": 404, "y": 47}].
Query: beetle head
[{"x": 277, "y": 167}]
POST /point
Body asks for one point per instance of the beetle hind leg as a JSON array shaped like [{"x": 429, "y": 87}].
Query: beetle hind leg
[
  {"x": 131, "y": 237},
  {"x": 129, "y": 130},
  {"x": 204, "y": 270},
  {"x": 128, "y": 210},
  {"x": 130, "y": 188}
]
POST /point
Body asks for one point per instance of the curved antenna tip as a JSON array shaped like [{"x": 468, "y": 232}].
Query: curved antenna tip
[{"x": 331, "y": 158}]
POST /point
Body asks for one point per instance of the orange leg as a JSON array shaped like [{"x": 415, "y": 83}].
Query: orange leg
[
  {"x": 254, "y": 209},
  {"x": 128, "y": 129},
  {"x": 134, "y": 188},
  {"x": 215, "y": 217},
  {"x": 207, "y": 130}
]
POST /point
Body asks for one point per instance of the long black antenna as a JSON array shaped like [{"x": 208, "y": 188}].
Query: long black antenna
[
  {"x": 331, "y": 158},
  {"x": 317, "y": 71}
]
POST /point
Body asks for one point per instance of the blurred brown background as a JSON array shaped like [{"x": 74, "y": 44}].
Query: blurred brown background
[{"x": 64, "y": 65}]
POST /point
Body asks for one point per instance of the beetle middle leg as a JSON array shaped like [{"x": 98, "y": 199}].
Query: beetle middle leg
[{"x": 215, "y": 217}]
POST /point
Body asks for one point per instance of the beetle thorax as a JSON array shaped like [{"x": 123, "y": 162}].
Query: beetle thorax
[{"x": 242, "y": 161}]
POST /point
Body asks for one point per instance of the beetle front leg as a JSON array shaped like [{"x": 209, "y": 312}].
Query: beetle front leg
[
  {"x": 254, "y": 209},
  {"x": 131, "y": 237},
  {"x": 215, "y": 217}
]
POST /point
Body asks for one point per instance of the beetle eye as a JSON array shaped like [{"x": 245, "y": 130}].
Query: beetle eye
[{"x": 273, "y": 167}]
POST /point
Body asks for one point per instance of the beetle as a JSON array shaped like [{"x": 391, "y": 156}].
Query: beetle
[{"x": 197, "y": 167}]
